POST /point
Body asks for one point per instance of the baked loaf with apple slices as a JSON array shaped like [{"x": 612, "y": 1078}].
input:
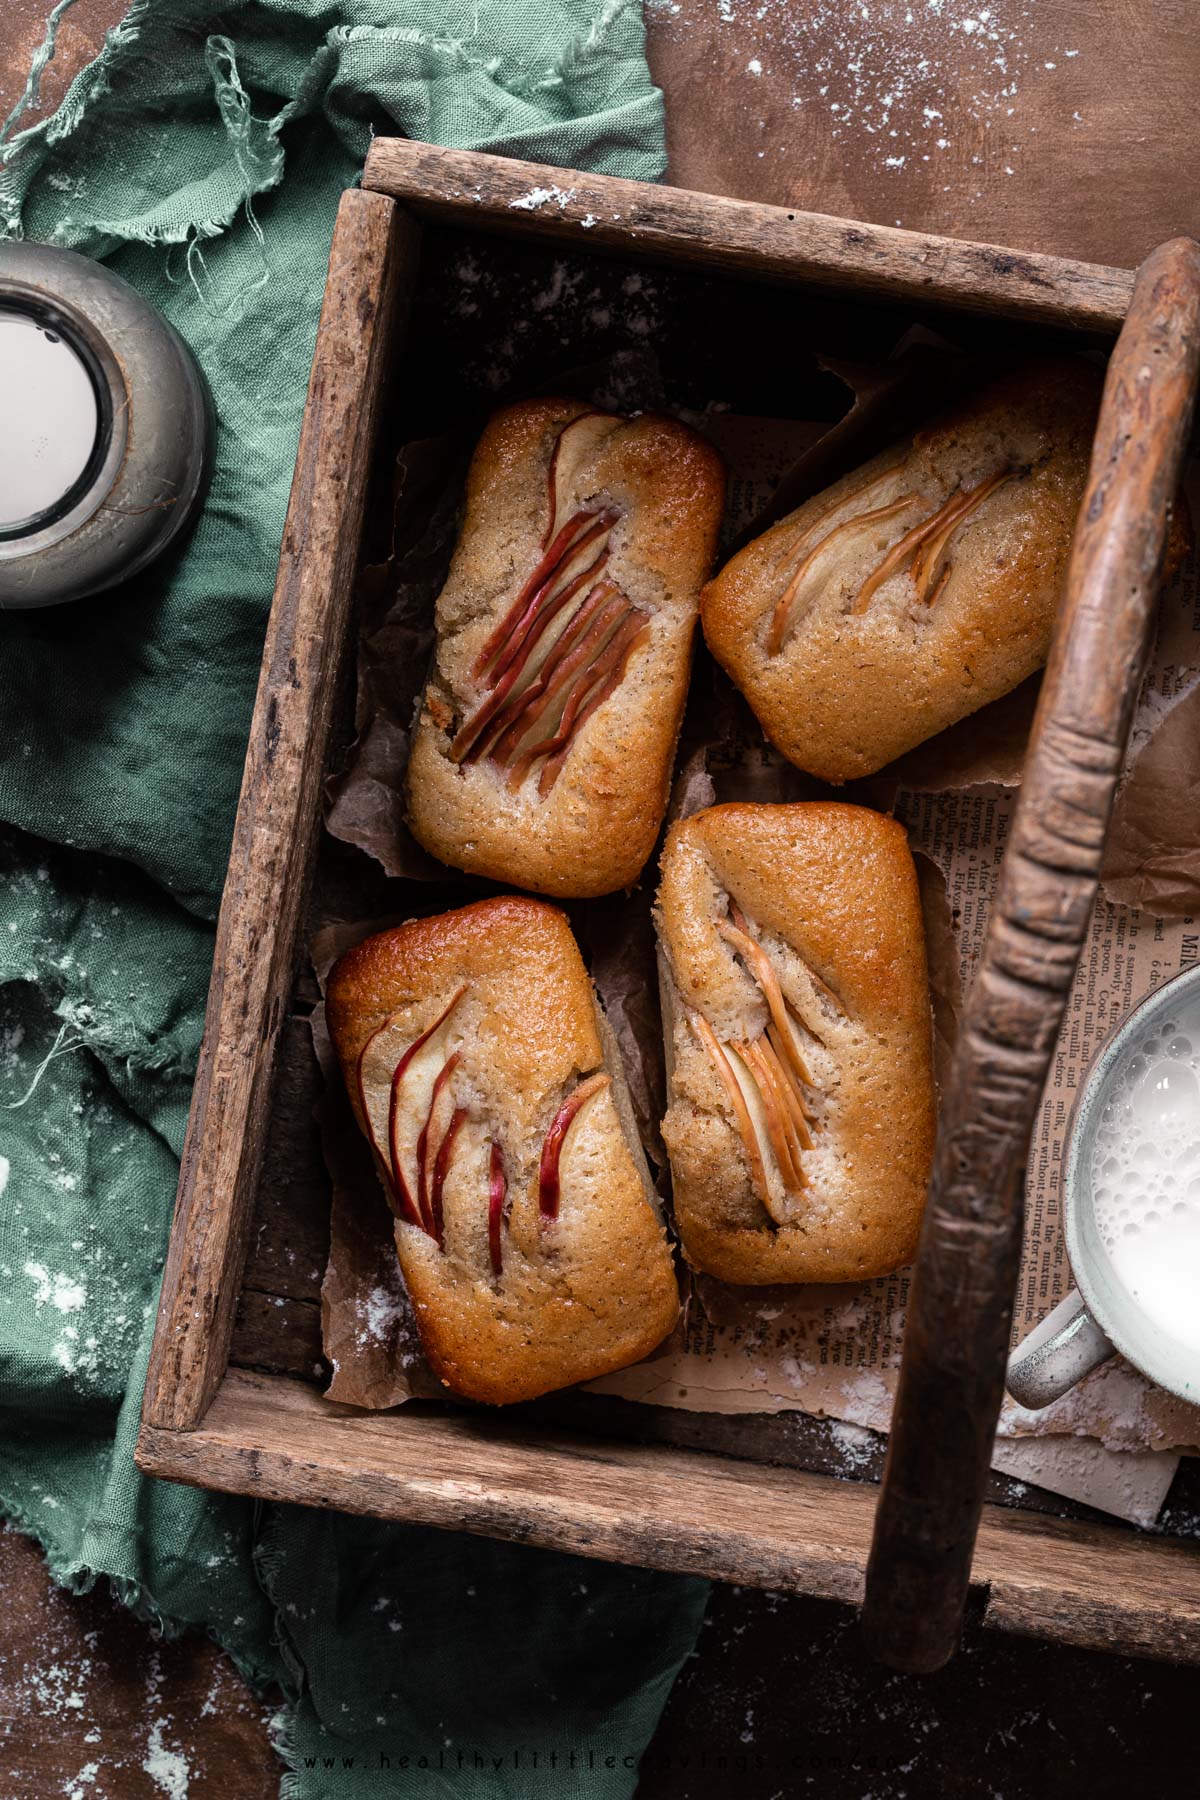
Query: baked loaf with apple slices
[
  {"x": 916, "y": 589},
  {"x": 474, "y": 1055},
  {"x": 799, "y": 1041},
  {"x": 544, "y": 741}
]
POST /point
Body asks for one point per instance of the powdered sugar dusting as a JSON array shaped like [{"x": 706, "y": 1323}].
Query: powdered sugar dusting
[
  {"x": 168, "y": 1769},
  {"x": 856, "y": 1445},
  {"x": 541, "y": 196},
  {"x": 380, "y": 1311},
  {"x": 907, "y": 80},
  {"x": 63, "y": 1291}
]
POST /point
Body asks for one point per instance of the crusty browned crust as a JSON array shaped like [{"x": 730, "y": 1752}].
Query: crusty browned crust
[
  {"x": 830, "y": 892},
  {"x": 591, "y": 834},
  {"x": 578, "y": 1298},
  {"x": 848, "y": 691}
]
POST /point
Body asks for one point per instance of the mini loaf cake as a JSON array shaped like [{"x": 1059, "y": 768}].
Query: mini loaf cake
[
  {"x": 476, "y": 1061},
  {"x": 798, "y": 1034},
  {"x": 916, "y": 589},
  {"x": 544, "y": 740}
]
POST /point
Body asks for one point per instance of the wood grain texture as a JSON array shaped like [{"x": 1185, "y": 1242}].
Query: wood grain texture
[
  {"x": 767, "y": 242},
  {"x": 960, "y": 1312},
  {"x": 373, "y": 254},
  {"x": 95, "y": 1704},
  {"x": 661, "y": 1508}
]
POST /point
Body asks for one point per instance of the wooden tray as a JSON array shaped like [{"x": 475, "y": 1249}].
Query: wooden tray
[{"x": 232, "y": 1398}]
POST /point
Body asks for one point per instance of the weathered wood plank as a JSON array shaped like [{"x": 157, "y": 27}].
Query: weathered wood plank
[
  {"x": 1091, "y": 1585},
  {"x": 960, "y": 1311},
  {"x": 766, "y": 242},
  {"x": 372, "y": 259}
]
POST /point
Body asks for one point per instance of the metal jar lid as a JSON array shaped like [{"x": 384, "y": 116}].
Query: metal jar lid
[{"x": 106, "y": 428}]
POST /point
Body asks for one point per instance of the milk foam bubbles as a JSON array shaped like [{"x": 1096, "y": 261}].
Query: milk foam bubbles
[
  {"x": 49, "y": 423},
  {"x": 1145, "y": 1176}
]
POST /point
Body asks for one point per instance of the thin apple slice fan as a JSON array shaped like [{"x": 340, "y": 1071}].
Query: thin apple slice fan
[
  {"x": 781, "y": 618},
  {"x": 420, "y": 1089},
  {"x": 424, "y": 1124},
  {"x": 767, "y": 1080},
  {"x": 925, "y": 544},
  {"x": 562, "y": 648}
]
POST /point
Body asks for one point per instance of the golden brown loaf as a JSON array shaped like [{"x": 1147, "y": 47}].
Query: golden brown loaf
[
  {"x": 544, "y": 741},
  {"x": 916, "y": 589},
  {"x": 798, "y": 1033},
  {"x": 528, "y": 1240}
]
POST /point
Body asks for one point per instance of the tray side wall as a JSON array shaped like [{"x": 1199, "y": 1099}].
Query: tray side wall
[
  {"x": 371, "y": 266},
  {"x": 673, "y": 224},
  {"x": 1093, "y": 1586}
]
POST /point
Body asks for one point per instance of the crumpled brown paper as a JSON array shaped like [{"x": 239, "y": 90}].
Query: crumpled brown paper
[
  {"x": 986, "y": 749},
  {"x": 1152, "y": 856},
  {"x": 366, "y": 803}
]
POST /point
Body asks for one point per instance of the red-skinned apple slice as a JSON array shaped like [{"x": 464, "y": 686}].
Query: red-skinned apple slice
[
  {"x": 376, "y": 1061},
  {"x": 627, "y": 644},
  {"x": 497, "y": 1207},
  {"x": 549, "y": 1168},
  {"x": 441, "y": 1168},
  {"x": 576, "y": 442},
  {"x": 581, "y": 537},
  {"x": 429, "y": 1140},
  {"x": 565, "y": 684},
  {"x": 543, "y": 570},
  {"x": 512, "y": 722},
  {"x": 741, "y": 1112},
  {"x": 521, "y": 671},
  {"x": 557, "y": 601},
  {"x": 410, "y": 1102},
  {"x": 476, "y": 732},
  {"x": 604, "y": 654},
  {"x": 585, "y": 555}
]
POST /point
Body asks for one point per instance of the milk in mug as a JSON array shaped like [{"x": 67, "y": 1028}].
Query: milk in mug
[{"x": 1145, "y": 1174}]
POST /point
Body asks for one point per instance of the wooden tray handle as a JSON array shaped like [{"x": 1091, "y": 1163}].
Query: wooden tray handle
[{"x": 957, "y": 1337}]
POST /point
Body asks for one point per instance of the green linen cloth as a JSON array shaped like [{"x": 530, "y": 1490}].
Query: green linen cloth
[{"x": 202, "y": 155}]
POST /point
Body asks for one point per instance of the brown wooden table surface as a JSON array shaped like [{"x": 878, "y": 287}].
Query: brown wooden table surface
[{"x": 1035, "y": 123}]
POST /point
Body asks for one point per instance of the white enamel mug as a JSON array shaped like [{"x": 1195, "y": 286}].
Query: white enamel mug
[{"x": 1100, "y": 1317}]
